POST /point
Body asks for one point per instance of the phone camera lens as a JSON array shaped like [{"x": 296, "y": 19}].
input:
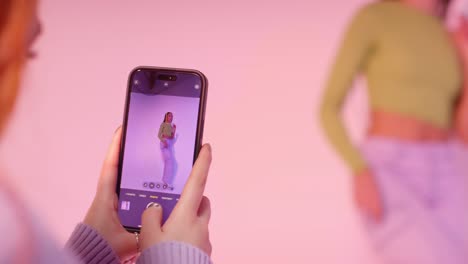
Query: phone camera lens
[{"x": 167, "y": 77}]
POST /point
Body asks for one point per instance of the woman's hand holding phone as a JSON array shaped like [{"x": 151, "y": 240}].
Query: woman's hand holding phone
[
  {"x": 102, "y": 215},
  {"x": 189, "y": 220}
]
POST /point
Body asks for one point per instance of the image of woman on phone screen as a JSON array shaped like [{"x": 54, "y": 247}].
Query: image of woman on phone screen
[{"x": 166, "y": 135}]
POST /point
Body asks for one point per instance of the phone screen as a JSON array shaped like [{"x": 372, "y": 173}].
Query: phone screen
[{"x": 162, "y": 132}]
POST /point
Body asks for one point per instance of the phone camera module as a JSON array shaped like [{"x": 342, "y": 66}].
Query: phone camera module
[{"x": 167, "y": 77}]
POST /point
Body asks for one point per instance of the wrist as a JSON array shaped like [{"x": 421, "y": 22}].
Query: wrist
[{"x": 172, "y": 252}]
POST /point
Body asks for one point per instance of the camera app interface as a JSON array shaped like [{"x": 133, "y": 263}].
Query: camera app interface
[{"x": 159, "y": 141}]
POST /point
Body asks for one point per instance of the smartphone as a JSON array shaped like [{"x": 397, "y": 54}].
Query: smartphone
[{"x": 161, "y": 137}]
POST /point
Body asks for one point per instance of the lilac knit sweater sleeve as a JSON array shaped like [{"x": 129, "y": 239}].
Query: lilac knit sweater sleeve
[
  {"x": 173, "y": 252},
  {"x": 91, "y": 248}
]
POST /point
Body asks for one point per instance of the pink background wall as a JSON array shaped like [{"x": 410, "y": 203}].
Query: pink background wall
[{"x": 279, "y": 192}]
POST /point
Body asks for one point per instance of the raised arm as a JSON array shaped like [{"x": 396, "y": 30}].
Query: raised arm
[{"x": 460, "y": 37}]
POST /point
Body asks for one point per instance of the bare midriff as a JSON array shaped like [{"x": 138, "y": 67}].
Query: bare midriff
[{"x": 398, "y": 126}]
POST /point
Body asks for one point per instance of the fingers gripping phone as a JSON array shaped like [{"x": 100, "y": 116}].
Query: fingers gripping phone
[{"x": 161, "y": 137}]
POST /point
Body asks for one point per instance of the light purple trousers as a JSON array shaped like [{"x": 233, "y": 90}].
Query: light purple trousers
[
  {"x": 424, "y": 192},
  {"x": 168, "y": 157}
]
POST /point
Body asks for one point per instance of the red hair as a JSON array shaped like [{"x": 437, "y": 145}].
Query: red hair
[{"x": 16, "y": 16}]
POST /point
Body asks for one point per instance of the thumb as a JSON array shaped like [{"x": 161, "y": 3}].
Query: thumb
[{"x": 151, "y": 224}]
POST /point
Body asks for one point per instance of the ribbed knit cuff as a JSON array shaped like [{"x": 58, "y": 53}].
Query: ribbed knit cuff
[
  {"x": 90, "y": 247},
  {"x": 173, "y": 253}
]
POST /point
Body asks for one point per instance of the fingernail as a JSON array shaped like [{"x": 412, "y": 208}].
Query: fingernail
[
  {"x": 117, "y": 129},
  {"x": 208, "y": 147},
  {"x": 153, "y": 204}
]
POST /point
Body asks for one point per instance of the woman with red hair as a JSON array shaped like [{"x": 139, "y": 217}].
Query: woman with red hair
[{"x": 100, "y": 238}]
